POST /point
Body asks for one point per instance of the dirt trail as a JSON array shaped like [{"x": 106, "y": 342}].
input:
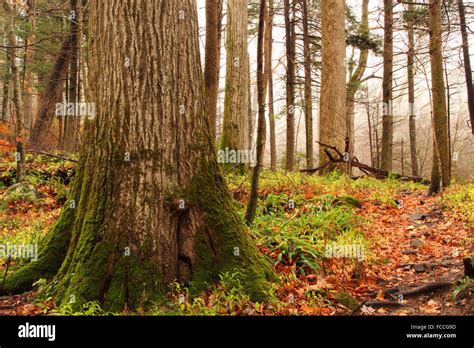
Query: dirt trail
[{"x": 417, "y": 243}]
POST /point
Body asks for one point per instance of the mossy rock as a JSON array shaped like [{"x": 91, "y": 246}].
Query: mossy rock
[
  {"x": 22, "y": 191},
  {"x": 346, "y": 299}
]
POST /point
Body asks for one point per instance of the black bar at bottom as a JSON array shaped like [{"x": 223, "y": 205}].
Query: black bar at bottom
[{"x": 288, "y": 331}]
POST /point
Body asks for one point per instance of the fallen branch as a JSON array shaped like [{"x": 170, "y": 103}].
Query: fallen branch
[
  {"x": 338, "y": 157},
  {"x": 53, "y": 156}
]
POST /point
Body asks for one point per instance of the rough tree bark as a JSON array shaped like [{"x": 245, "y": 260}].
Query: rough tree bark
[
  {"x": 151, "y": 205},
  {"x": 332, "y": 127},
  {"x": 387, "y": 117},
  {"x": 212, "y": 58},
  {"x": 290, "y": 42},
  {"x": 235, "y": 130},
  {"x": 440, "y": 120}
]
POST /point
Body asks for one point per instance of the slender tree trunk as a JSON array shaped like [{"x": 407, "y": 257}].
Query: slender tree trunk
[
  {"x": 6, "y": 82},
  {"x": 151, "y": 205},
  {"x": 253, "y": 108},
  {"x": 261, "y": 128},
  {"x": 307, "y": 89},
  {"x": 64, "y": 119},
  {"x": 387, "y": 117},
  {"x": 81, "y": 75},
  {"x": 28, "y": 80},
  {"x": 448, "y": 115},
  {"x": 440, "y": 121},
  {"x": 53, "y": 94},
  {"x": 411, "y": 90},
  {"x": 435, "y": 184},
  {"x": 269, "y": 74},
  {"x": 333, "y": 80},
  {"x": 17, "y": 93},
  {"x": 71, "y": 130},
  {"x": 356, "y": 77},
  {"x": 235, "y": 132},
  {"x": 377, "y": 138},
  {"x": 212, "y": 58},
  {"x": 467, "y": 62},
  {"x": 290, "y": 40},
  {"x": 371, "y": 145}
]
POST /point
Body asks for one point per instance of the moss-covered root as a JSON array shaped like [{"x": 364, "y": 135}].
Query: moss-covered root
[
  {"x": 115, "y": 279},
  {"x": 49, "y": 259},
  {"x": 228, "y": 247}
]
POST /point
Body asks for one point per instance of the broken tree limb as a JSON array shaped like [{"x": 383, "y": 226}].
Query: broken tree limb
[
  {"x": 53, "y": 156},
  {"x": 338, "y": 157}
]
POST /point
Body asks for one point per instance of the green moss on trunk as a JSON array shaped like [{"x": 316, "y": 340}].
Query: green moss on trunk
[{"x": 227, "y": 247}]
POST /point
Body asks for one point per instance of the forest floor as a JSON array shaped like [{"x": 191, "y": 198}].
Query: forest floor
[{"x": 340, "y": 247}]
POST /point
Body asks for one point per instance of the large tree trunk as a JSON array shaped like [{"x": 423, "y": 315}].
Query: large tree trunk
[
  {"x": 261, "y": 128},
  {"x": 235, "y": 131},
  {"x": 212, "y": 58},
  {"x": 269, "y": 74},
  {"x": 467, "y": 62},
  {"x": 308, "y": 99},
  {"x": 440, "y": 120},
  {"x": 17, "y": 96},
  {"x": 387, "y": 117},
  {"x": 411, "y": 90},
  {"x": 151, "y": 205},
  {"x": 332, "y": 128},
  {"x": 290, "y": 40},
  {"x": 53, "y": 94}
]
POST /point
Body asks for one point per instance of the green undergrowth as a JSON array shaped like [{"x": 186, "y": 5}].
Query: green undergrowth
[
  {"x": 298, "y": 216},
  {"x": 297, "y": 230},
  {"x": 459, "y": 199}
]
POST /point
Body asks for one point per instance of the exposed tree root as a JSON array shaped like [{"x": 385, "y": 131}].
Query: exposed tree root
[{"x": 417, "y": 290}]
